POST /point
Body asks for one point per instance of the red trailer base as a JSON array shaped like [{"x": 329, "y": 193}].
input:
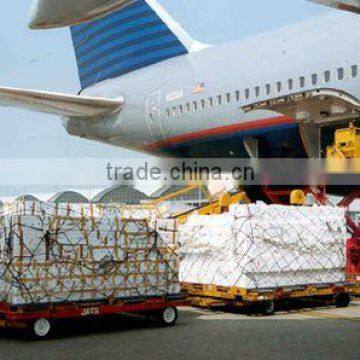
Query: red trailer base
[
  {"x": 38, "y": 318},
  {"x": 353, "y": 260}
]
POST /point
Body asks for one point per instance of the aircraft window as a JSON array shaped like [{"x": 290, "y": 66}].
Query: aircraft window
[
  {"x": 290, "y": 84},
  {"x": 257, "y": 91},
  {"x": 195, "y": 105},
  {"x": 237, "y": 95},
  {"x": 228, "y": 97},
  {"x": 202, "y": 104},
  {"x": 247, "y": 94},
  {"x": 181, "y": 109},
  {"x": 268, "y": 89},
  {"x": 168, "y": 113},
  {"x": 211, "y": 101},
  {"x": 279, "y": 86},
  {"x": 174, "y": 111},
  {"x": 188, "y": 108},
  {"x": 314, "y": 79},
  {"x": 354, "y": 71},
  {"x": 340, "y": 73},
  {"x": 327, "y": 76},
  {"x": 302, "y": 81},
  {"x": 219, "y": 99}
]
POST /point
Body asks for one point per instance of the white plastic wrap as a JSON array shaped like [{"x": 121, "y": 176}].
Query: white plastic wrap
[
  {"x": 39, "y": 208},
  {"x": 259, "y": 246},
  {"x": 60, "y": 256}
]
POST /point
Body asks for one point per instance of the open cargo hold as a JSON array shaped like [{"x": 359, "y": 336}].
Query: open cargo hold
[
  {"x": 257, "y": 252},
  {"x": 53, "y": 253}
]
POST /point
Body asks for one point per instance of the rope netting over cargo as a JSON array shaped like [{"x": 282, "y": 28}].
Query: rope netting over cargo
[
  {"x": 260, "y": 246},
  {"x": 73, "y": 252}
]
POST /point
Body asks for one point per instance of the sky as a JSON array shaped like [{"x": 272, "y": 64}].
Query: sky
[{"x": 45, "y": 60}]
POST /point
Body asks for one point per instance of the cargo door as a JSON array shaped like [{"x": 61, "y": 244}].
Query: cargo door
[
  {"x": 313, "y": 111},
  {"x": 153, "y": 116}
]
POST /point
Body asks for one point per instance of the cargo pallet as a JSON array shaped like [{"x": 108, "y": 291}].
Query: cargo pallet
[
  {"x": 212, "y": 296},
  {"x": 39, "y": 319}
]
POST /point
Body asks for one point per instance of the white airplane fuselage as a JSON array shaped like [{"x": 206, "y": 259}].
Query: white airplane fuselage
[{"x": 191, "y": 105}]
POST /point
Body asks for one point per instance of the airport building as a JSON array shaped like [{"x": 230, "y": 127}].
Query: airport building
[
  {"x": 121, "y": 195},
  {"x": 68, "y": 197},
  {"x": 26, "y": 197}
]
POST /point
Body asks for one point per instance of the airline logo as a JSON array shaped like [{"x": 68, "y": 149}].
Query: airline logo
[{"x": 199, "y": 88}]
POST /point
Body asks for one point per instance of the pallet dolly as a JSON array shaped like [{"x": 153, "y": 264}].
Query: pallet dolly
[
  {"x": 264, "y": 301},
  {"x": 39, "y": 319}
]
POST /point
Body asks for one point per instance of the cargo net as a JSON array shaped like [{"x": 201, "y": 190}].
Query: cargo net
[
  {"x": 264, "y": 247},
  {"x": 63, "y": 253}
]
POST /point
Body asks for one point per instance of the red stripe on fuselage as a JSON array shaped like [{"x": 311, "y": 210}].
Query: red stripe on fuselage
[{"x": 222, "y": 130}]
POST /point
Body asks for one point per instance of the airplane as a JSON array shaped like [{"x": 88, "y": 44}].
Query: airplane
[
  {"x": 147, "y": 85},
  {"x": 348, "y": 5}
]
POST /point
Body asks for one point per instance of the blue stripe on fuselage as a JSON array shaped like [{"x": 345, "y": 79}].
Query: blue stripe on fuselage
[{"x": 273, "y": 139}]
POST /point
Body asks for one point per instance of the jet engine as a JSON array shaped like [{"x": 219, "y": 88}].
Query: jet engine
[
  {"x": 47, "y": 14},
  {"x": 347, "y": 5}
]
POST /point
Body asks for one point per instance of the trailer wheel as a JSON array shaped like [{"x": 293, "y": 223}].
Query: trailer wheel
[
  {"x": 267, "y": 307},
  {"x": 342, "y": 300},
  {"x": 40, "y": 328},
  {"x": 168, "y": 316}
]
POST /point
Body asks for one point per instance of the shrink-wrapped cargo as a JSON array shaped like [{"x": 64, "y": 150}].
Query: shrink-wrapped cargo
[
  {"x": 259, "y": 246},
  {"x": 39, "y": 208},
  {"x": 52, "y": 254}
]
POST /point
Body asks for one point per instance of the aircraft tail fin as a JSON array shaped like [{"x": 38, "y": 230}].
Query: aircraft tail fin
[
  {"x": 136, "y": 36},
  {"x": 58, "y": 104}
]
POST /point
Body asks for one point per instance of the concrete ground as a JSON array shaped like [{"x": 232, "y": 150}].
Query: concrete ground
[{"x": 309, "y": 333}]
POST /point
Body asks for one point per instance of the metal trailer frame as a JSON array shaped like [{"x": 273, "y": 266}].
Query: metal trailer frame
[
  {"x": 212, "y": 296},
  {"x": 26, "y": 316}
]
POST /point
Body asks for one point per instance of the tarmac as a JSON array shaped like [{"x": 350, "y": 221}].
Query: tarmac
[{"x": 292, "y": 333}]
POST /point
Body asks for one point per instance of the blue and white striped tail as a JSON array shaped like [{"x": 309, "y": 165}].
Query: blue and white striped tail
[{"x": 139, "y": 35}]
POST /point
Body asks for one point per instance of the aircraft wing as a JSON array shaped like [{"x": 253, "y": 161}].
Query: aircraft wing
[
  {"x": 47, "y": 14},
  {"x": 347, "y": 5},
  {"x": 59, "y": 104},
  {"x": 311, "y": 110}
]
